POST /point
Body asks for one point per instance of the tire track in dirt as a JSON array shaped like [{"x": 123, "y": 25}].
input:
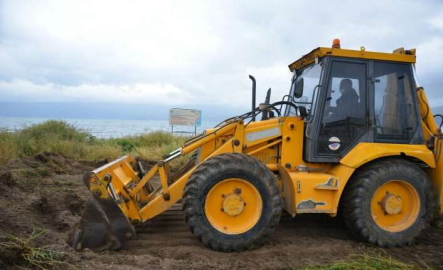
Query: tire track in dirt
[
  {"x": 292, "y": 244},
  {"x": 297, "y": 242}
]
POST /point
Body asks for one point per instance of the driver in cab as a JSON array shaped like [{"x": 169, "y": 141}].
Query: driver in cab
[{"x": 347, "y": 103}]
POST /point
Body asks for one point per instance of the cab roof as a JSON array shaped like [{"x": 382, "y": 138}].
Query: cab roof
[{"x": 398, "y": 55}]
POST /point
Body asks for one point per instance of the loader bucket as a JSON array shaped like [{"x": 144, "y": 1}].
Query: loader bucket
[
  {"x": 103, "y": 225},
  {"x": 120, "y": 196}
]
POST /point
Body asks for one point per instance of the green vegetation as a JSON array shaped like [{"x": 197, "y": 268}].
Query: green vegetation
[
  {"x": 368, "y": 262},
  {"x": 60, "y": 137},
  {"x": 21, "y": 251}
]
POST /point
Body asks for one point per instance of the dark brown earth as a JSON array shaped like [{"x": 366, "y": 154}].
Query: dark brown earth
[{"x": 45, "y": 192}]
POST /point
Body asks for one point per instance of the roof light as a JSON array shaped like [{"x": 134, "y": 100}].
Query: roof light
[{"x": 336, "y": 43}]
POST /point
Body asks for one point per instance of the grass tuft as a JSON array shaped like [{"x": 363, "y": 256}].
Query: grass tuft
[{"x": 21, "y": 251}]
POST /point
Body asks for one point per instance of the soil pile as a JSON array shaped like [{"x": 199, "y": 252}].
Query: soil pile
[
  {"x": 45, "y": 192},
  {"x": 41, "y": 193}
]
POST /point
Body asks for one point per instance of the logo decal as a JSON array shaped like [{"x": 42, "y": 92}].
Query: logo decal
[{"x": 334, "y": 143}]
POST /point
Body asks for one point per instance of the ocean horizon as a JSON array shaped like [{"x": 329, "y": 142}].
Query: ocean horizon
[{"x": 106, "y": 128}]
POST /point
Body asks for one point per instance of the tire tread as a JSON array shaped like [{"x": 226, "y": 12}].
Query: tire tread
[
  {"x": 353, "y": 201},
  {"x": 192, "y": 193}
]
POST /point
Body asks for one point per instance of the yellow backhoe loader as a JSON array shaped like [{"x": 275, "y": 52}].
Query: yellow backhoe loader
[{"x": 355, "y": 136}]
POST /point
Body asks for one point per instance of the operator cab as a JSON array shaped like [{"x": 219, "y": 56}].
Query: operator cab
[{"x": 347, "y": 97}]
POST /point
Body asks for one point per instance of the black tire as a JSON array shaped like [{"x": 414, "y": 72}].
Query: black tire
[
  {"x": 211, "y": 172},
  {"x": 359, "y": 191}
]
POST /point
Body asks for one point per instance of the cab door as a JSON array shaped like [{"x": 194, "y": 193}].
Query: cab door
[{"x": 342, "y": 119}]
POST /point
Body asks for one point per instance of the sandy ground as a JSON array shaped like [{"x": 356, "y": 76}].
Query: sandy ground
[{"x": 45, "y": 192}]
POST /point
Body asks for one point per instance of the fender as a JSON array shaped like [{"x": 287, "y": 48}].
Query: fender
[{"x": 366, "y": 152}]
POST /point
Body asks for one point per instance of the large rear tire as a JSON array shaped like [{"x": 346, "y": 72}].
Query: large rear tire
[
  {"x": 232, "y": 202},
  {"x": 389, "y": 203}
]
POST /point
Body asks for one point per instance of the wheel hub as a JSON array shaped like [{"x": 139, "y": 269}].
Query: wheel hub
[
  {"x": 233, "y": 204},
  {"x": 392, "y": 204}
]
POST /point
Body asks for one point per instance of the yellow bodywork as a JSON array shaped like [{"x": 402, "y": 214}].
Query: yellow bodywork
[
  {"x": 303, "y": 191},
  {"x": 398, "y": 55},
  {"x": 278, "y": 143}
]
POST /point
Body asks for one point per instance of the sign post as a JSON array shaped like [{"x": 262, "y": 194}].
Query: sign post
[{"x": 184, "y": 117}]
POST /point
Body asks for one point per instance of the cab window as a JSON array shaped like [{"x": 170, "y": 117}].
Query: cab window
[
  {"x": 394, "y": 109},
  {"x": 311, "y": 78}
]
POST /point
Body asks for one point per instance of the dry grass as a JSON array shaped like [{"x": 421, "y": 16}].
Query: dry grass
[
  {"x": 60, "y": 137},
  {"x": 20, "y": 251},
  {"x": 8, "y": 148},
  {"x": 153, "y": 149}
]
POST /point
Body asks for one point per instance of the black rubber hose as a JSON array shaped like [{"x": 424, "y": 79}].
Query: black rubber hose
[
  {"x": 285, "y": 103},
  {"x": 441, "y": 118}
]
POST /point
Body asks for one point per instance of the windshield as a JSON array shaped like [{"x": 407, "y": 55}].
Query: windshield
[{"x": 311, "y": 79}]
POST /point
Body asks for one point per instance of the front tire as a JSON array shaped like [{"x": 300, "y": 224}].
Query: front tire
[
  {"x": 232, "y": 202},
  {"x": 389, "y": 203}
]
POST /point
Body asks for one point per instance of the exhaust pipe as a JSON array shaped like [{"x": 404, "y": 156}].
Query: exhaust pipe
[
  {"x": 265, "y": 114},
  {"x": 253, "y": 96}
]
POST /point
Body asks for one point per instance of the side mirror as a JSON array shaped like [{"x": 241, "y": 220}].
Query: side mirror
[{"x": 298, "y": 91}]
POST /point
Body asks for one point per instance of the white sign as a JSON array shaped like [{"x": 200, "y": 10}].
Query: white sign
[{"x": 184, "y": 117}]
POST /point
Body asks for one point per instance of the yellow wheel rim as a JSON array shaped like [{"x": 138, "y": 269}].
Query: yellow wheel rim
[
  {"x": 233, "y": 206},
  {"x": 395, "y": 206}
]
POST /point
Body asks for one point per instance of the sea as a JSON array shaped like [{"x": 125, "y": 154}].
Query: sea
[{"x": 108, "y": 128}]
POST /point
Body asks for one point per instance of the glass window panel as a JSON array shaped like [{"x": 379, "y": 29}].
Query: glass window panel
[
  {"x": 395, "y": 115},
  {"x": 344, "y": 114}
]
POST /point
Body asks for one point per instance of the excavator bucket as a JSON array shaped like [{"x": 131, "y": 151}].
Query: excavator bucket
[
  {"x": 123, "y": 197},
  {"x": 104, "y": 224}
]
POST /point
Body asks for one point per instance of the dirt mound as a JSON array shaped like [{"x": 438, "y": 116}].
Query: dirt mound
[
  {"x": 45, "y": 193},
  {"x": 42, "y": 193},
  {"x": 46, "y": 163}
]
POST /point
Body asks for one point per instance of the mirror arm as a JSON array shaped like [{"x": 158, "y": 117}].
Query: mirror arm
[{"x": 283, "y": 99}]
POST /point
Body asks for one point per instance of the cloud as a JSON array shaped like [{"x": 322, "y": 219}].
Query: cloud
[
  {"x": 181, "y": 52},
  {"x": 133, "y": 93}
]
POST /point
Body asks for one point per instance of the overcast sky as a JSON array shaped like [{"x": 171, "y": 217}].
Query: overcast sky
[{"x": 196, "y": 52}]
